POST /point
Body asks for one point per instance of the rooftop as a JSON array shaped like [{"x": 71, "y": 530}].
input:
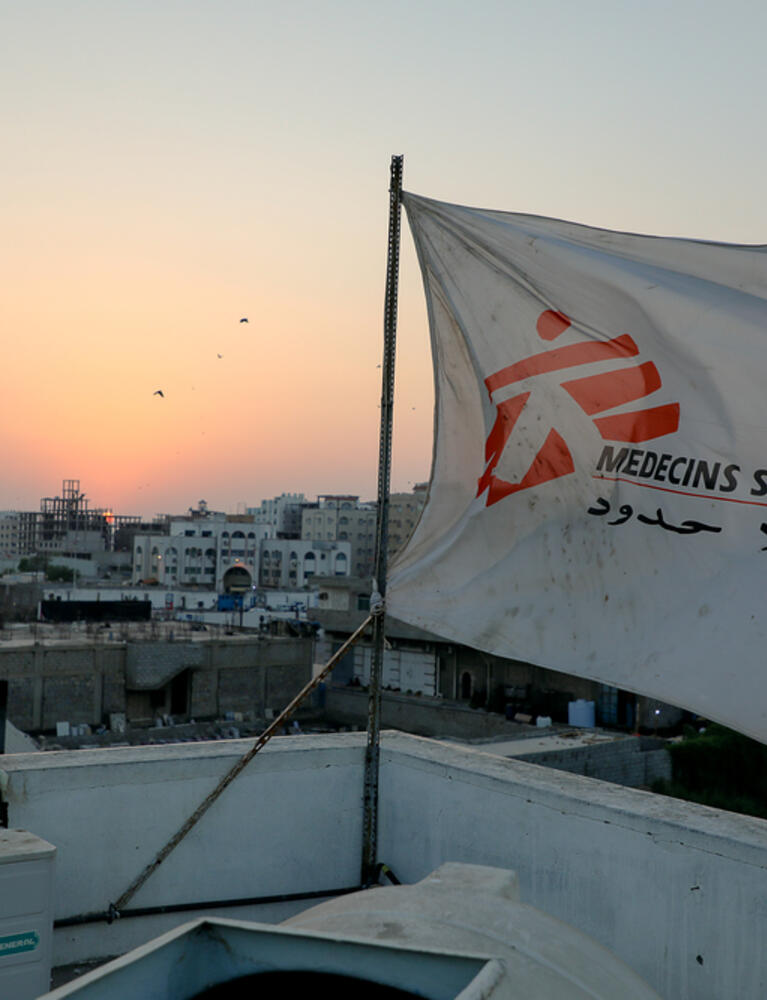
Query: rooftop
[{"x": 674, "y": 890}]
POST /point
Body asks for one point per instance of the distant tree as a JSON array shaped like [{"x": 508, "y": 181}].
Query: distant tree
[
  {"x": 59, "y": 574},
  {"x": 31, "y": 564},
  {"x": 720, "y": 768}
]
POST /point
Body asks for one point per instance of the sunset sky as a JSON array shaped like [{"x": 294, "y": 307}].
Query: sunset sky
[{"x": 170, "y": 166}]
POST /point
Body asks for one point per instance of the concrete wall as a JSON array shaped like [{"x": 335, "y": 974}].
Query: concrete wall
[
  {"x": 290, "y": 823},
  {"x": 18, "y": 601},
  {"x": 677, "y": 891},
  {"x": 82, "y": 682},
  {"x": 631, "y": 761},
  {"x": 47, "y": 682},
  {"x": 424, "y": 716}
]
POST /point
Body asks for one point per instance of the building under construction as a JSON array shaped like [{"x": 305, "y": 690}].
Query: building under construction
[{"x": 67, "y": 526}]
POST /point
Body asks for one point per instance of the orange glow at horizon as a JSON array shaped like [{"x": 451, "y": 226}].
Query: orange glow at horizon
[
  {"x": 288, "y": 401},
  {"x": 169, "y": 169}
]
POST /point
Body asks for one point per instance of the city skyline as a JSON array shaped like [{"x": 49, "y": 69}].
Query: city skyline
[
  {"x": 195, "y": 508},
  {"x": 172, "y": 168}
]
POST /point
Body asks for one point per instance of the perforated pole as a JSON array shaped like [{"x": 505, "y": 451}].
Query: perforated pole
[
  {"x": 372, "y": 750},
  {"x": 3, "y": 712}
]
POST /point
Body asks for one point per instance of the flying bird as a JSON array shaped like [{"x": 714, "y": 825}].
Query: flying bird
[
  {"x": 159, "y": 392},
  {"x": 244, "y": 319}
]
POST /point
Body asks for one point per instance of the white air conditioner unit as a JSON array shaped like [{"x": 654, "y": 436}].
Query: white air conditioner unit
[{"x": 26, "y": 914}]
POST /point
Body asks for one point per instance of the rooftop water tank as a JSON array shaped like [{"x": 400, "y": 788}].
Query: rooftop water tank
[
  {"x": 460, "y": 932},
  {"x": 580, "y": 713}
]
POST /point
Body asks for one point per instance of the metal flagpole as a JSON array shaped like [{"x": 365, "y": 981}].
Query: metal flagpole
[{"x": 370, "y": 800}]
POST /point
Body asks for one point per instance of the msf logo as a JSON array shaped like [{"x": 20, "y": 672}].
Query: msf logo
[{"x": 594, "y": 394}]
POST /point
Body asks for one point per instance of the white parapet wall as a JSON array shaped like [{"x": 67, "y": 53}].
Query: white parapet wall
[
  {"x": 291, "y": 823},
  {"x": 677, "y": 891}
]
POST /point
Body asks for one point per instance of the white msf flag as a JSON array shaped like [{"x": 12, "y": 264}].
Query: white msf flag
[{"x": 598, "y": 501}]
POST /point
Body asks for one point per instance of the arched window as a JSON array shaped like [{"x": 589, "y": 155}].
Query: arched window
[{"x": 310, "y": 564}]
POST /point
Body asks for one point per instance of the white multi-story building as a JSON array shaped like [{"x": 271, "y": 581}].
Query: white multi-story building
[
  {"x": 210, "y": 549},
  {"x": 404, "y": 512},
  {"x": 283, "y": 513},
  {"x": 201, "y": 552},
  {"x": 292, "y": 562},
  {"x": 10, "y": 532},
  {"x": 343, "y": 519},
  {"x": 346, "y": 519}
]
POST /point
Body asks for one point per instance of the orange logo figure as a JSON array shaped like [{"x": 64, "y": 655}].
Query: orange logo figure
[{"x": 593, "y": 393}]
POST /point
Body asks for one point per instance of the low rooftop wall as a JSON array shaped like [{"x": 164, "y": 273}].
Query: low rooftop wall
[
  {"x": 634, "y": 761},
  {"x": 425, "y": 716},
  {"x": 677, "y": 891},
  {"x": 291, "y": 823}
]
